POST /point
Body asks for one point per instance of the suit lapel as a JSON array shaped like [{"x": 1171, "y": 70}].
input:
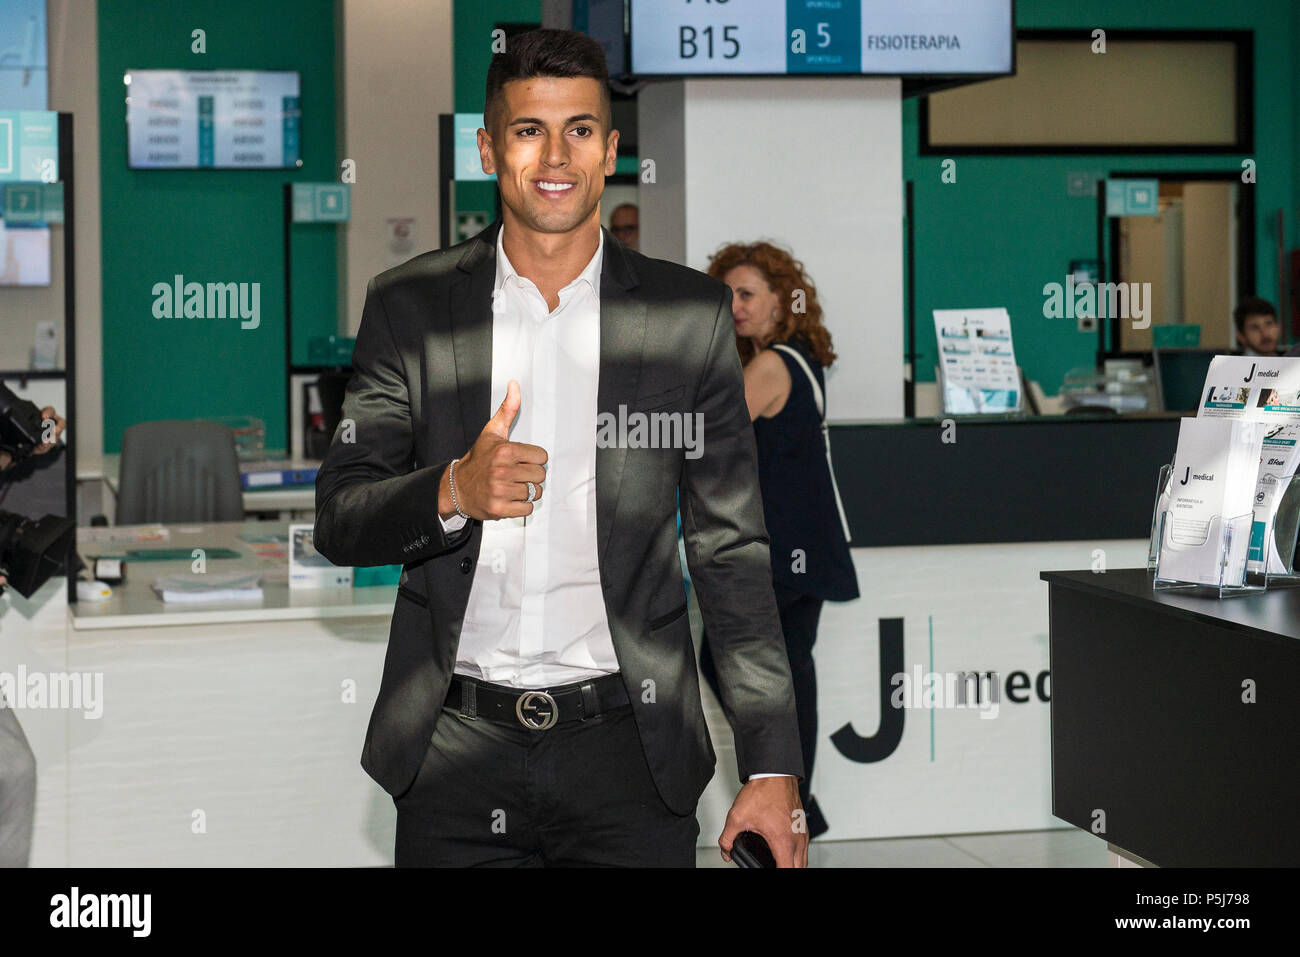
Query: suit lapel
[
  {"x": 622, "y": 339},
  {"x": 471, "y": 332}
]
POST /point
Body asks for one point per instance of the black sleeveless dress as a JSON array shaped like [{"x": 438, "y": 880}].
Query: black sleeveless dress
[{"x": 809, "y": 552}]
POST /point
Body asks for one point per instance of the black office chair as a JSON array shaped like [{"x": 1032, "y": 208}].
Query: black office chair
[{"x": 177, "y": 471}]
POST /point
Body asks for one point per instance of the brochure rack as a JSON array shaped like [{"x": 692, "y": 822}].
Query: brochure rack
[
  {"x": 1284, "y": 533},
  {"x": 1232, "y": 578},
  {"x": 1235, "y": 578},
  {"x": 1157, "y": 515}
]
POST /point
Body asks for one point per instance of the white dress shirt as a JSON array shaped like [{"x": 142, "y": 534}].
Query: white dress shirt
[{"x": 536, "y": 613}]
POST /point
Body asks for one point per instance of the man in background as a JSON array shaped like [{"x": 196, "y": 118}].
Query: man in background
[
  {"x": 1258, "y": 331},
  {"x": 625, "y": 224}
]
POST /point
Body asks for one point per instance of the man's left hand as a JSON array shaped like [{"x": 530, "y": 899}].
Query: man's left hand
[{"x": 767, "y": 807}]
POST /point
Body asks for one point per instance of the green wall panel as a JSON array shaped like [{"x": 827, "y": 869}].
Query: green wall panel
[
  {"x": 209, "y": 226},
  {"x": 1007, "y": 226},
  {"x": 474, "y": 21}
]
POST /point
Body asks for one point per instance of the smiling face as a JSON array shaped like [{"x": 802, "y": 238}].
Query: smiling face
[
  {"x": 551, "y": 150},
  {"x": 753, "y": 303}
]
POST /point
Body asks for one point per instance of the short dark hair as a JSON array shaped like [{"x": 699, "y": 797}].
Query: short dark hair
[
  {"x": 546, "y": 52},
  {"x": 1252, "y": 307}
]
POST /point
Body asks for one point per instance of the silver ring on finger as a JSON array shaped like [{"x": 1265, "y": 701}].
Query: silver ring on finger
[{"x": 532, "y": 492}]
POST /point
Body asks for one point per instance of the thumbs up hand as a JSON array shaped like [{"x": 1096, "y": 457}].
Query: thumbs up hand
[{"x": 492, "y": 477}]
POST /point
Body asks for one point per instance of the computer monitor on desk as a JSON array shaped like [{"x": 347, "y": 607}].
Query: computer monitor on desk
[{"x": 1180, "y": 376}]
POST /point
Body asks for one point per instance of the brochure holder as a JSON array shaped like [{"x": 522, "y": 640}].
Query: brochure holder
[
  {"x": 1284, "y": 536},
  {"x": 977, "y": 371},
  {"x": 1232, "y": 578},
  {"x": 1157, "y": 516},
  {"x": 1284, "y": 533},
  {"x": 967, "y": 400}
]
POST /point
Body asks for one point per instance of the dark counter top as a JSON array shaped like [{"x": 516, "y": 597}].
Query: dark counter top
[
  {"x": 1005, "y": 418},
  {"x": 1175, "y": 718},
  {"x": 1001, "y": 478},
  {"x": 1272, "y": 615}
]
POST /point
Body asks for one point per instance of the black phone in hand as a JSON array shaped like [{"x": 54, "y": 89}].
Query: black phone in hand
[{"x": 750, "y": 850}]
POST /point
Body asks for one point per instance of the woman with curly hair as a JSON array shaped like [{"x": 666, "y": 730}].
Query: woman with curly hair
[{"x": 784, "y": 348}]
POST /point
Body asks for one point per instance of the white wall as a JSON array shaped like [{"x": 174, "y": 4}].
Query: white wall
[
  {"x": 814, "y": 165},
  {"x": 396, "y": 78}
]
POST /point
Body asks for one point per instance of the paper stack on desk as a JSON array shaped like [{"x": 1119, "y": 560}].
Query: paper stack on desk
[{"x": 215, "y": 586}]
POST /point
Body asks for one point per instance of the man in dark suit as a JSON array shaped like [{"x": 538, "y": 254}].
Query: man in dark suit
[{"x": 540, "y": 701}]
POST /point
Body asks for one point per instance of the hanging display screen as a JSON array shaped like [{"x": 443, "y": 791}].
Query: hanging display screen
[
  {"x": 822, "y": 37},
  {"x": 213, "y": 119}
]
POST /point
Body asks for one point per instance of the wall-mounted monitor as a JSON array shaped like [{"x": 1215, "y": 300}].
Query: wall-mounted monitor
[
  {"x": 24, "y": 78},
  {"x": 213, "y": 119},
  {"x": 953, "y": 38}
]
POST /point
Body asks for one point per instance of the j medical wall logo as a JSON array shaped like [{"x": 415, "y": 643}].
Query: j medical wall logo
[{"x": 902, "y": 690}]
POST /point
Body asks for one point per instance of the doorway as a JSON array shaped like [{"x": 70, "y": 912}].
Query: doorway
[{"x": 1197, "y": 254}]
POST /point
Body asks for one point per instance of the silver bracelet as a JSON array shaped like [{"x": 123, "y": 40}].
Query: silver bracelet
[{"x": 451, "y": 484}]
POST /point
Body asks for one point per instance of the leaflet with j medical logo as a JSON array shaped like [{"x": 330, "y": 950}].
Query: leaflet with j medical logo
[
  {"x": 977, "y": 362},
  {"x": 1262, "y": 389},
  {"x": 1207, "y": 526},
  {"x": 1278, "y": 457}
]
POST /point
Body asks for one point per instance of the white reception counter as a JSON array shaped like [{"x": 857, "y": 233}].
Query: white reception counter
[{"x": 231, "y": 734}]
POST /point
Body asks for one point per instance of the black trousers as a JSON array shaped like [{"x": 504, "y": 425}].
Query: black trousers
[
  {"x": 579, "y": 794},
  {"x": 799, "y": 615}
]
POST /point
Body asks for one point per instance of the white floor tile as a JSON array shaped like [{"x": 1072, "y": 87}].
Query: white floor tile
[
  {"x": 1069, "y": 847},
  {"x": 1055, "y": 848}
]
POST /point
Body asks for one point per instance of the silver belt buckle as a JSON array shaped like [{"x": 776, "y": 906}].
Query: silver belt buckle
[{"x": 536, "y": 710}]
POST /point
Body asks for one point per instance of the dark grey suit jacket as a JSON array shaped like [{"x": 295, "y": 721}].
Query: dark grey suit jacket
[{"x": 419, "y": 397}]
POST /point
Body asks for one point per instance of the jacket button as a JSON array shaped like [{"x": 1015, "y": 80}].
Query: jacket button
[{"x": 465, "y": 565}]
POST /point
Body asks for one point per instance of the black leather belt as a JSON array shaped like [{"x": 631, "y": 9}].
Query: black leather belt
[{"x": 536, "y": 709}]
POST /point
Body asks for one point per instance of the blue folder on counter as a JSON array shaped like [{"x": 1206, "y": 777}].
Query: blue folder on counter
[{"x": 264, "y": 477}]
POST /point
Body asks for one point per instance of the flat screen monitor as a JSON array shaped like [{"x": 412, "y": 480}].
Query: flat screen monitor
[
  {"x": 1180, "y": 376},
  {"x": 213, "y": 119},
  {"x": 822, "y": 37}
]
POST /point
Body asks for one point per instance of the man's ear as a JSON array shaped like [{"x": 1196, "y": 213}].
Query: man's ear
[
  {"x": 485, "y": 152},
  {"x": 611, "y": 153}
]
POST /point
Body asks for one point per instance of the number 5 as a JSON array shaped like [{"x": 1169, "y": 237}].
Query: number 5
[{"x": 735, "y": 44}]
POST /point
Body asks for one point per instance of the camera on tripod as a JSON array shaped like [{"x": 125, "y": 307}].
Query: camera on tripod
[{"x": 31, "y": 550}]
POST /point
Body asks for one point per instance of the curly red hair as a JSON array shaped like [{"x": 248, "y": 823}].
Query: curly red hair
[{"x": 784, "y": 274}]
